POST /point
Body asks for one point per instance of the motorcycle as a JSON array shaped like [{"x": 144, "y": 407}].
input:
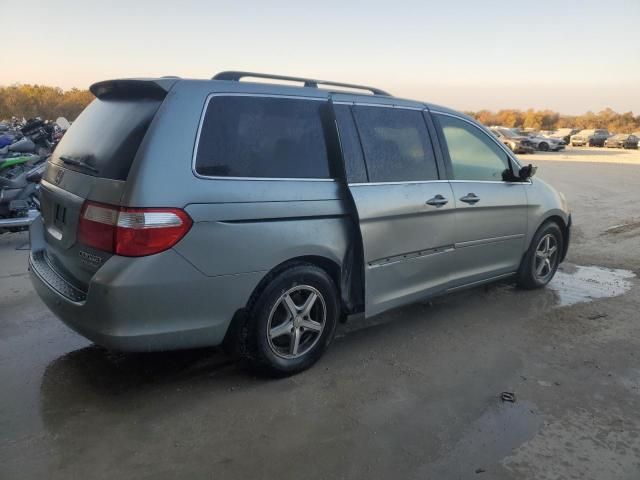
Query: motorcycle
[
  {"x": 23, "y": 157},
  {"x": 20, "y": 195}
]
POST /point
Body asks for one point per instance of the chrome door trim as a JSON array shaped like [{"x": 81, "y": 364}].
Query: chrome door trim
[
  {"x": 364, "y": 184},
  {"x": 383, "y": 262},
  {"x": 485, "y": 241},
  {"x": 245, "y": 94},
  {"x": 501, "y": 182},
  {"x": 408, "y": 182}
]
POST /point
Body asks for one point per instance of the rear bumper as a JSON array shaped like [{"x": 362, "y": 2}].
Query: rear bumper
[{"x": 160, "y": 302}]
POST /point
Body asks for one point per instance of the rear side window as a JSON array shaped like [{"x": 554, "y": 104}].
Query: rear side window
[
  {"x": 263, "y": 137},
  {"x": 106, "y": 136},
  {"x": 396, "y": 144}
]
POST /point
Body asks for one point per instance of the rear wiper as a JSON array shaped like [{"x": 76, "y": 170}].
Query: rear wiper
[{"x": 78, "y": 163}]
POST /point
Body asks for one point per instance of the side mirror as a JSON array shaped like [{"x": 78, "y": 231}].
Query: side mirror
[{"x": 527, "y": 172}]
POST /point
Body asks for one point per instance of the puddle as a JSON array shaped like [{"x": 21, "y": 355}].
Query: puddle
[
  {"x": 492, "y": 437},
  {"x": 576, "y": 284},
  {"x": 582, "y": 444}
]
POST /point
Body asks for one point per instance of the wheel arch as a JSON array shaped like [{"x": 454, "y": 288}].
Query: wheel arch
[
  {"x": 564, "y": 224},
  {"x": 346, "y": 277}
]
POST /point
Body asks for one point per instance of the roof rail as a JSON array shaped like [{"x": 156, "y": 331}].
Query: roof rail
[{"x": 308, "y": 82}]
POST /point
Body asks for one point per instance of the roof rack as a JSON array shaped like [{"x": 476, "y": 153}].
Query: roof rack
[{"x": 308, "y": 82}]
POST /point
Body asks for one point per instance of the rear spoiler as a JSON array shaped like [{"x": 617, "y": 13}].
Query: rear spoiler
[{"x": 156, "y": 88}]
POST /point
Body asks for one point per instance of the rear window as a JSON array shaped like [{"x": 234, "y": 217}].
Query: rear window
[
  {"x": 263, "y": 137},
  {"x": 106, "y": 136}
]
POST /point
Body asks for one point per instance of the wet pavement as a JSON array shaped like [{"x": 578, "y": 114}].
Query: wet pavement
[
  {"x": 575, "y": 284},
  {"x": 414, "y": 393}
]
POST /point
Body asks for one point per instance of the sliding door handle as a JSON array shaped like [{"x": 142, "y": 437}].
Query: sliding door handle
[
  {"x": 437, "y": 201},
  {"x": 470, "y": 198}
]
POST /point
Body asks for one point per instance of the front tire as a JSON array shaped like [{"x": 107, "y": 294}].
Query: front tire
[
  {"x": 292, "y": 321},
  {"x": 544, "y": 147},
  {"x": 541, "y": 261}
]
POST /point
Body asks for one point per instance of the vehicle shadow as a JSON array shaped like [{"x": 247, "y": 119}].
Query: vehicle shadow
[
  {"x": 94, "y": 382},
  {"x": 99, "y": 380}
]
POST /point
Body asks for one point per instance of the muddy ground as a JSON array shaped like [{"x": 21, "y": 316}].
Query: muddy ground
[{"x": 411, "y": 394}]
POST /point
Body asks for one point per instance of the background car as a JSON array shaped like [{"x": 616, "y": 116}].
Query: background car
[
  {"x": 540, "y": 142},
  {"x": 516, "y": 143},
  {"x": 590, "y": 138},
  {"x": 564, "y": 134},
  {"x": 622, "y": 140}
]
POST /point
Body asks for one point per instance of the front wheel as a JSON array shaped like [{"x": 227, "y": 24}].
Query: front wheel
[
  {"x": 541, "y": 261},
  {"x": 544, "y": 146},
  {"x": 292, "y": 321}
]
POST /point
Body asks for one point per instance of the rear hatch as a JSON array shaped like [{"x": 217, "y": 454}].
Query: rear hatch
[{"x": 92, "y": 162}]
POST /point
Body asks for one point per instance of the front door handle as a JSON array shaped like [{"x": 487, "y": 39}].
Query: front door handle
[
  {"x": 437, "y": 201},
  {"x": 470, "y": 198}
]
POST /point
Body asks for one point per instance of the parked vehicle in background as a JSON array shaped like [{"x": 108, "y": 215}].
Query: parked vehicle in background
[
  {"x": 256, "y": 215},
  {"x": 564, "y": 134},
  {"x": 516, "y": 143},
  {"x": 622, "y": 140},
  {"x": 541, "y": 142},
  {"x": 589, "y": 138},
  {"x": 24, "y": 146}
]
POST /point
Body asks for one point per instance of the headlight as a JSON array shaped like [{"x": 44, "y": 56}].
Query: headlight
[{"x": 513, "y": 145}]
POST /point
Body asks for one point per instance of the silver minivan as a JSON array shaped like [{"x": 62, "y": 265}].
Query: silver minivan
[{"x": 185, "y": 213}]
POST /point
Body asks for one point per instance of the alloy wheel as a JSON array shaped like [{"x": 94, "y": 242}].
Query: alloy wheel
[
  {"x": 296, "y": 322},
  {"x": 546, "y": 257}
]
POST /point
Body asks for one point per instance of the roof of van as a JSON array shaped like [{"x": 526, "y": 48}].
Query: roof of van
[{"x": 310, "y": 88}]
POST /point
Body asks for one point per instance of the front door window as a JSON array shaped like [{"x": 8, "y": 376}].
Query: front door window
[{"x": 474, "y": 156}]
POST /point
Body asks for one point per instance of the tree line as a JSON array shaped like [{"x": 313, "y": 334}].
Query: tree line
[
  {"x": 550, "y": 120},
  {"x": 51, "y": 102}
]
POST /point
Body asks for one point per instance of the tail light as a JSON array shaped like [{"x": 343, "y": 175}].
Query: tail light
[{"x": 131, "y": 232}]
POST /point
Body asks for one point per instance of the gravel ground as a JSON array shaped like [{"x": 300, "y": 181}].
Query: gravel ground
[{"x": 413, "y": 393}]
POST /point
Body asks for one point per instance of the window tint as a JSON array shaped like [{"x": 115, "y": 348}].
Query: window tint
[
  {"x": 107, "y": 135},
  {"x": 396, "y": 144},
  {"x": 474, "y": 156},
  {"x": 263, "y": 137},
  {"x": 350, "y": 143}
]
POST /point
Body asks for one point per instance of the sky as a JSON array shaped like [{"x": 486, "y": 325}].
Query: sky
[{"x": 568, "y": 56}]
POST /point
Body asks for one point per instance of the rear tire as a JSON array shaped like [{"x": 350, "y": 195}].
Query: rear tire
[
  {"x": 541, "y": 261},
  {"x": 291, "y": 322},
  {"x": 544, "y": 146}
]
